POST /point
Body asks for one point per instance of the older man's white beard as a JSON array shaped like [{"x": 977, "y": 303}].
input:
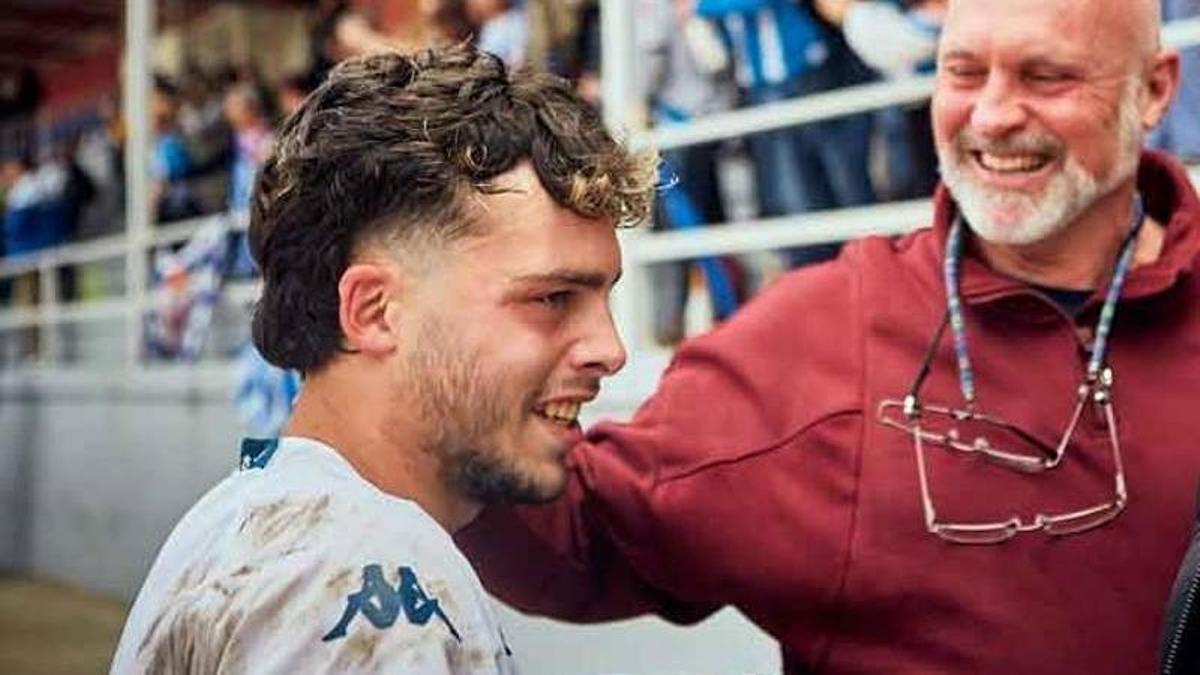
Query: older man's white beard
[{"x": 1016, "y": 218}]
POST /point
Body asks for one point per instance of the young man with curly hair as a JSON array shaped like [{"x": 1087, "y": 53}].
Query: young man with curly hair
[{"x": 437, "y": 244}]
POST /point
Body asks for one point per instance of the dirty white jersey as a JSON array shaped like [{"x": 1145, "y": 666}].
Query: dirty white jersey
[{"x": 295, "y": 564}]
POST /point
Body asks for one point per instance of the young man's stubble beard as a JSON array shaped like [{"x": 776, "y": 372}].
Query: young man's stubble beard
[{"x": 465, "y": 410}]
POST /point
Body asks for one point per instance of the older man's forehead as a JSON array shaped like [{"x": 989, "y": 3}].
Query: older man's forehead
[
  {"x": 1092, "y": 30},
  {"x": 1120, "y": 19},
  {"x": 1147, "y": 8}
]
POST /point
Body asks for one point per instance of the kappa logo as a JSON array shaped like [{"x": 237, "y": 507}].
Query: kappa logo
[{"x": 381, "y": 604}]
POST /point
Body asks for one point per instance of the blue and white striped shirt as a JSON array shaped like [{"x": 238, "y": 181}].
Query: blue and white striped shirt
[{"x": 773, "y": 40}]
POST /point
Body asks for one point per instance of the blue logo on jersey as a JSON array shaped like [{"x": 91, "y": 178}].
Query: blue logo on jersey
[
  {"x": 257, "y": 452},
  {"x": 381, "y": 604}
]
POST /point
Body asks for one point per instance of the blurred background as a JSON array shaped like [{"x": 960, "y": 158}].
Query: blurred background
[{"x": 130, "y": 135}]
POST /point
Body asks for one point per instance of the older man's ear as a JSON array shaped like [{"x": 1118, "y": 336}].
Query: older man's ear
[{"x": 1161, "y": 87}]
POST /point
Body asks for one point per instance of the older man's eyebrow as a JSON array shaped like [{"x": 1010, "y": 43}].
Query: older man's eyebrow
[
  {"x": 585, "y": 278},
  {"x": 1055, "y": 62},
  {"x": 1041, "y": 57},
  {"x": 958, "y": 55}
]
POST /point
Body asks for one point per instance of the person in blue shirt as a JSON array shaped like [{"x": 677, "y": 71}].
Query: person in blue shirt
[
  {"x": 896, "y": 38},
  {"x": 170, "y": 162},
  {"x": 782, "y": 51}
]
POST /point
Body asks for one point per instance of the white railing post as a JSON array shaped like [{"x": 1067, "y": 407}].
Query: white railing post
[
  {"x": 1182, "y": 33},
  {"x": 621, "y": 101},
  {"x": 48, "y": 310},
  {"x": 139, "y": 36},
  {"x": 617, "y": 64}
]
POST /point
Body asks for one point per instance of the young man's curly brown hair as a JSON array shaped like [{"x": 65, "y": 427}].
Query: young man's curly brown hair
[{"x": 392, "y": 146}]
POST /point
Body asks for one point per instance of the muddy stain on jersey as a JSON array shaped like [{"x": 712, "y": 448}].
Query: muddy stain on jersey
[{"x": 283, "y": 522}]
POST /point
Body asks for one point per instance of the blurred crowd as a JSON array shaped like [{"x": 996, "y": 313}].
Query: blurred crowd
[{"x": 695, "y": 58}]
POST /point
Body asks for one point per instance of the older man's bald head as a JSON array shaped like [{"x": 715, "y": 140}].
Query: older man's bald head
[
  {"x": 1143, "y": 19},
  {"x": 1122, "y": 29}
]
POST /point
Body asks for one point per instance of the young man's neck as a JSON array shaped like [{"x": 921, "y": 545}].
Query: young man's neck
[
  {"x": 1082, "y": 255},
  {"x": 381, "y": 449}
]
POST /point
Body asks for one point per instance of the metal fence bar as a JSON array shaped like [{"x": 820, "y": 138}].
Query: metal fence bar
[
  {"x": 48, "y": 299},
  {"x": 139, "y": 35},
  {"x": 179, "y": 232},
  {"x": 113, "y": 246},
  {"x": 241, "y": 292},
  {"x": 818, "y": 227},
  {"x": 630, "y": 301},
  {"x": 95, "y": 250},
  {"x": 76, "y": 312},
  {"x": 1181, "y": 33},
  {"x": 810, "y": 108}
]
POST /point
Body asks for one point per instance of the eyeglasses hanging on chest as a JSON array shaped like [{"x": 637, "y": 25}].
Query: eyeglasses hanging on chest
[{"x": 966, "y": 430}]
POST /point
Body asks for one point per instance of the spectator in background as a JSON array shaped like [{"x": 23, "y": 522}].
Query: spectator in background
[
  {"x": 105, "y": 150},
  {"x": 344, "y": 29},
  {"x": 19, "y": 197},
  {"x": 553, "y": 32},
  {"x": 206, "y": 133},
  {"x": 79, "y": 190},
  {"x": 338, "y": 32},
  {"x": 586, "y": 69},
  {"x": 290, "y": 95},
  {"x": 502, "y": 29},
  {"x": 21, "y": 93},
  {"x": 10, "y": 172},
  {"x": 34, "y": 212},
  {"x": 33, "y": 220},
  {"x": 898, "y": 38},
  {"x": 246, "y": 115},
  {"x": 782, "y": 52},
  {"x": 1180, "y": 132},
  {"x": 171, "y": 163},
  {"x": 252, "y": 141},
  {"x": 445, "y": 22},
  {"x": 895, "y": 37},
  {"x": 685, "y": 76}
]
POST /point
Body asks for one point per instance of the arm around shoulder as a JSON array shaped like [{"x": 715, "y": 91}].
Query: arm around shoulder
[{"x": 633, "y": 532}]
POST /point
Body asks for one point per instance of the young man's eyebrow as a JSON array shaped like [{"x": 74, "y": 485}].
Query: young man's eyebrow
[{"x": 586, "y": 278}]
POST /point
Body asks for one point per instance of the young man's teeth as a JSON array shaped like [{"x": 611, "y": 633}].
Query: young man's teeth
[
  {"x": 1012, "y": 164},
  {"x": 562, "y": 412}
]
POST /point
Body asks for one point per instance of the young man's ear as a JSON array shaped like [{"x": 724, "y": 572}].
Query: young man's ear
[{"x": 364, "y": 293}]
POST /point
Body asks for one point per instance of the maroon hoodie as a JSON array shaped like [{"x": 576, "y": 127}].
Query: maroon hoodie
[{"x": 757, "y": 476}]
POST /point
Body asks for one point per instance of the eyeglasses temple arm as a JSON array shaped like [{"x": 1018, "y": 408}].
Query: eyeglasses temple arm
[{"x": 927, "y": 362}]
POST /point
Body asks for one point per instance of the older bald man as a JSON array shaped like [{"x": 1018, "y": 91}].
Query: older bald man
[{"x": 971, "y": 450}]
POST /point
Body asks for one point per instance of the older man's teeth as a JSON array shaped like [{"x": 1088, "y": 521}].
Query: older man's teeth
[
  {"x": 562, "y": 413},
  {"x": 1011, "y": 163}
]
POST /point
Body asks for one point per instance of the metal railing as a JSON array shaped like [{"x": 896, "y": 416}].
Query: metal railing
[
  {"x": 640, "y": 247},
  {"x": 51, "y": 311}
]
